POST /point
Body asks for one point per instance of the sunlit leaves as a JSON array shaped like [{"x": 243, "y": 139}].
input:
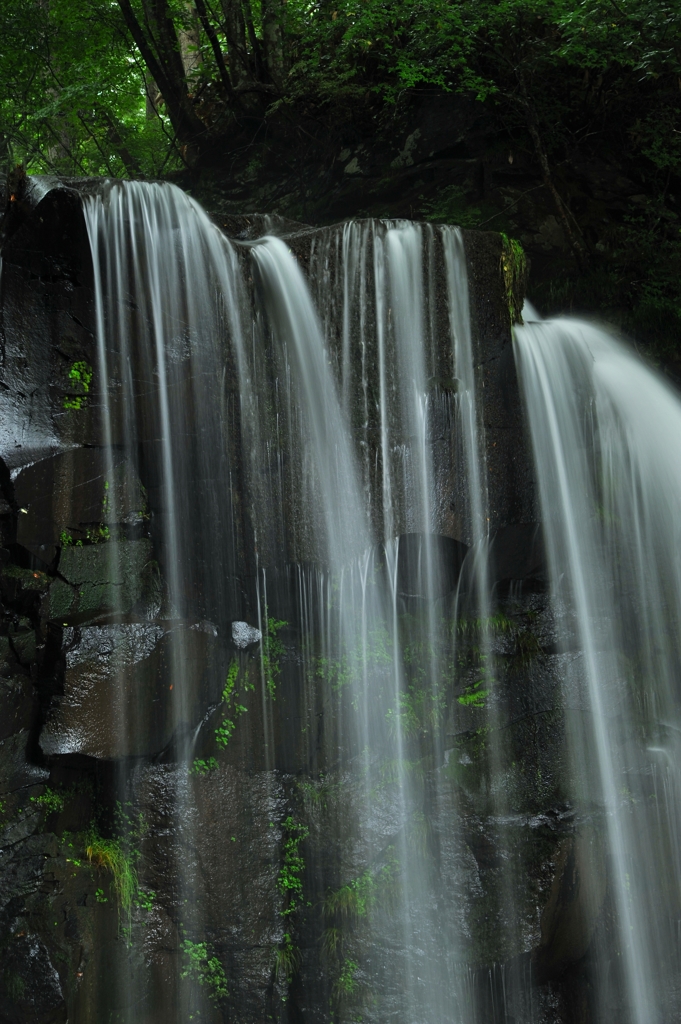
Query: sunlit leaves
[
  {"x": 73, "y": 97},
  {"x": 74, "y": 86}
]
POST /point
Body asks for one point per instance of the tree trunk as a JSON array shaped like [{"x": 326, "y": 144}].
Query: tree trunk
[
  {"x": 160, "y": 50},
  {"x": 153, "y": 98},
  {"x": 273, "y": 38},
  {"x": 576, "y": 244},
  {"x": 235, "y": 30},
  {"x": 190, "y": 40},
  {"x": 217, "y": 49},
  {"x": 254, "y": 41}
]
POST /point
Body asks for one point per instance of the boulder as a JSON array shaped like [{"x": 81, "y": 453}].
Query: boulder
[
  {"x": 575, "y": 901},
  {"x": 69, "y": 498},
  {"x": 101, "y": 579},
  {"x": 128, "y": 688},
  {"x": 244, "y": 635}
]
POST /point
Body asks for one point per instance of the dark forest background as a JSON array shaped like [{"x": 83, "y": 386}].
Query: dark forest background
[{"x": 555, "y": 121}]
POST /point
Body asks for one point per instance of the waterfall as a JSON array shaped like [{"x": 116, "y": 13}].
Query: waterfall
[
  {"x": 342, "y": 621},
  {"x": 606, "y": 435},
  {"x": 293, "y": 410},
  {"x": 159, "y": 267}
]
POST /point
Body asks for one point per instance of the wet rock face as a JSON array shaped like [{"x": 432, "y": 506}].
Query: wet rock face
[
  {"x": 67, "y": 498},
  {"x": 122, "y": 687},
  {"x": 206, "y": 752},
  {"x": 48, "y": 321},
  {"x": 36, "y": 994},
  {"x": 100, "y": 579},
  {"x": 428, "y": 565}
]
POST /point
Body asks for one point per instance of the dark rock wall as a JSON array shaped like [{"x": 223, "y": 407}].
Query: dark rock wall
[{"x": 517, "y": 871}]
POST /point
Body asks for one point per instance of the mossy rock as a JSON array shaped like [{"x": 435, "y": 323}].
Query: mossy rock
[{"x": 99, "y": 579}]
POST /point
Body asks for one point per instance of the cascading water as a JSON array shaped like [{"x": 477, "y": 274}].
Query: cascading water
[
  {"x": 159, "y": 265},
  {"x": 606, "y": 434},
  {"x": 349, "y": 715},
  {"x": 354, "y": 637},
  {"x": 305, "y": 415},
  {"x": 338, "y": 429}
]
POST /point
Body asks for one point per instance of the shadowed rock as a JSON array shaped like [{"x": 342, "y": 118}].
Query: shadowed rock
[{"x": 128, "y": 688}]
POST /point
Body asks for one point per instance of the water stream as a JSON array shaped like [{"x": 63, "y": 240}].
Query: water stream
[
  {"x": 606, "y": 433},
  {"x": 301, "y": 411}
]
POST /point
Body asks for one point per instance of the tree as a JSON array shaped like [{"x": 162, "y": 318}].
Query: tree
[
  {"x": 72, "y": 96},
  {"x": 76, "y": 78}
]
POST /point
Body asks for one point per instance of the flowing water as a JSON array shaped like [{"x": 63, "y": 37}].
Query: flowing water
[
  {"x": 606, "y": 433},
  {"x": 208, "y": 349},
  {"x": 303, "y": 412}
]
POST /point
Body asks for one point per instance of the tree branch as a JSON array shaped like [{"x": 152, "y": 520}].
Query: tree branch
[
  {"x": 168, "y": 75},
  {"x": 215, "y": 44}
]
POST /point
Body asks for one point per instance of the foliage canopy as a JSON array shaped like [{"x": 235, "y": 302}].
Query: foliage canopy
[{"x": 138, "y": 87}]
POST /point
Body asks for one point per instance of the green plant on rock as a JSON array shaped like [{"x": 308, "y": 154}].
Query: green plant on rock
[
  {"x": 106, "y": 501},
  {"x": 355, "y": 899},
  {"x": 337, "y": 673},
  {"x": 499, "y": 623},
  {"x": 201, "y": 766},
  {"x": 110, "y": 855},
  {"x": 287, "y": 959},
  {"x": 231, "y": 697},
  {"x": 203, "y": 967},
  {"x": 119, "y": 855},
  {"x": 93, "y": 535},
  {"x": 346, "y": 984},
  {"x": 318, "y": 793},
  {"x": 50, "y": 801},
  {"x": 451, "y": 205},
  {"x": 372, "y": 655},
  {"x": 332, "y": 940},
  {"x": 473, "y": 696},
  {"x": 419, "y": 710},
  {"x": 527, "y": 647},
  {"x": 290, "y": 882},
  {"x": 290, "y": 885},
  {"x": 145, "y": 899},
  {"x": 344, "y": 909},
  {"x": 514, "y": 271},
  {"x": 96, "y": 534},
  {"x": 272, "y": 650},
  {"x": 80, "y": 376}
]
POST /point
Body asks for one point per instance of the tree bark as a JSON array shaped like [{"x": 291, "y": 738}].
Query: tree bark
[
  {"x": 273, "y": 38},
  {"x": 217, "y": 50},
  {"x": 254, "y": 41},
  {"x": 235, "y": 30},
  {"x": 189, "y": 40}
]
